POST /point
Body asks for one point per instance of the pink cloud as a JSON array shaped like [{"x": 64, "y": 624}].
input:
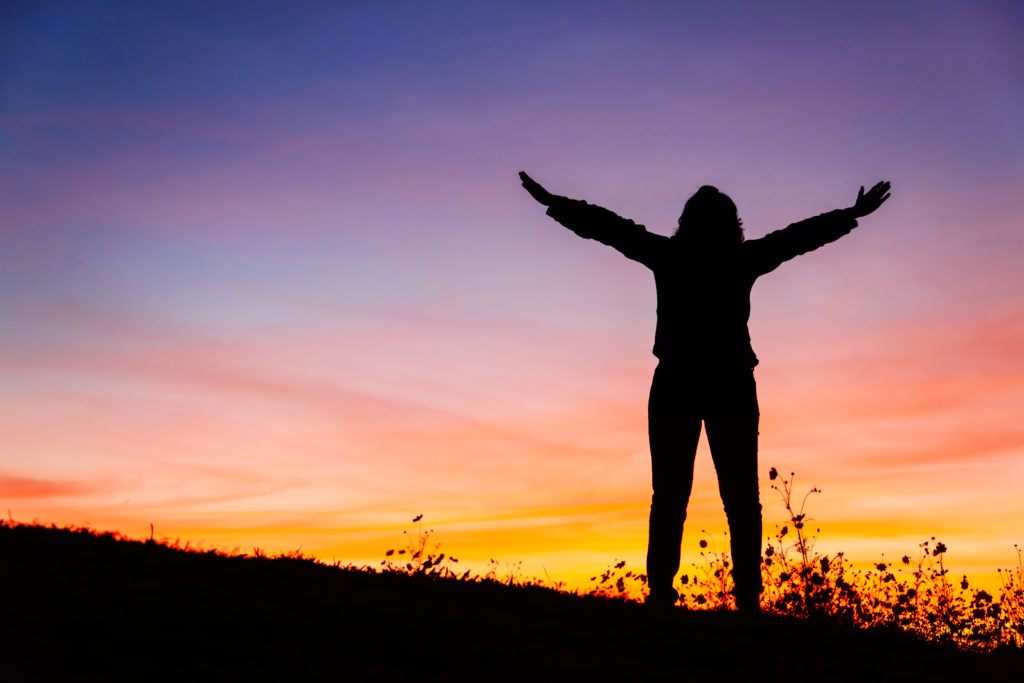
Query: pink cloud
[{"x": 29, "y": 488}]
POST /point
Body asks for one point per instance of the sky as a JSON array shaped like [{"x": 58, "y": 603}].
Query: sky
[{"x": 268, "y": 278}]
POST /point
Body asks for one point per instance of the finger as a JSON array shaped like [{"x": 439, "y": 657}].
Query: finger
[{"x": 880, "y": 201}]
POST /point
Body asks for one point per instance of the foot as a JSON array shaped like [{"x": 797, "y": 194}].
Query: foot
[
  {"x": 749, "y": 605},
  {"x": 662, "y": 598}
]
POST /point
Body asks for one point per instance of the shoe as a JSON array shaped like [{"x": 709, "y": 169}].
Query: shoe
[
  {"x": 662, "y": 598},
  {"x": 748, "y": 605}
]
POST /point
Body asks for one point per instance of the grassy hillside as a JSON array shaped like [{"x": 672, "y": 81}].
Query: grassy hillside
[{"x": 83, "y": 606}]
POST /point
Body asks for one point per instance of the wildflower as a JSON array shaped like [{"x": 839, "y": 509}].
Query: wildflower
[
  {"x": 417, "y": 518},
  {"x": 963, "y": 582},
  {"x": 940, "y": 548},
  {"x": 773, "y": 474},
  {"x": 881, "y": 566},
  {"x": 906, "y": 559},
  {"x": 703, "y": 543}
]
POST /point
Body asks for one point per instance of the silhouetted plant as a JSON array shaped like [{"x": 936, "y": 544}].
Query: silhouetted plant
[
  {"x": 619, "y": 582},
  {"x": 709, "y": 586},
  {"x": 511, "y": 576},
  {"x": 914, "y": 594},
  {"x": 420, "y": 557}
]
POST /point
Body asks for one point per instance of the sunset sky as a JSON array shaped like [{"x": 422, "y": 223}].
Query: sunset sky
[{"x": 268, "y": 277}]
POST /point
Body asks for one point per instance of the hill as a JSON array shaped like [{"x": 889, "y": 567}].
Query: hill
[{"x": 78, "y": 605}]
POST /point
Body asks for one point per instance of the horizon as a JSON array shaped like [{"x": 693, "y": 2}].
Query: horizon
[{"x": 269, "y": 277}]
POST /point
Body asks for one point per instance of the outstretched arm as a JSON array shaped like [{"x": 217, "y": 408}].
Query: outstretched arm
[
  {"x": 597, "y": 223},
  {"x": 770, "y": 251}
]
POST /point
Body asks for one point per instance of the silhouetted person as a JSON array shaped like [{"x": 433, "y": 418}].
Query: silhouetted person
[{"x": 704, "y": 273}]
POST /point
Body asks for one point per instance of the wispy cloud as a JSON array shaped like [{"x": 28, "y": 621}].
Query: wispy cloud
[{"x": 21, "y": 488}]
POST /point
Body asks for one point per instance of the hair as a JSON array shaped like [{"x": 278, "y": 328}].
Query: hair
[{"x": 710, "y": 218}]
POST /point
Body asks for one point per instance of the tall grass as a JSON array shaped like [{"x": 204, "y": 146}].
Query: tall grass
[{"x": 915, "y": 594}]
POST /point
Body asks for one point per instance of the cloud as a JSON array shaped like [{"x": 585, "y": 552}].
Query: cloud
[{"x": 28, "y": 488}]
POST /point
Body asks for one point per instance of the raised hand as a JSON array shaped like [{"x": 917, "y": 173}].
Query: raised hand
[
  {"x": 870, "y": 201},
  {"x": 536, "y": 190}
]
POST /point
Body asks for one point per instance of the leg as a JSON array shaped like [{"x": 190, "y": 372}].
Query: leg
[
  {"x": 732, "y": 434},
  {"x": 674, "y": 432}
]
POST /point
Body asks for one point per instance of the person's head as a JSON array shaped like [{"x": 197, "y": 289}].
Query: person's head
[{"x": 710, "y": 218}]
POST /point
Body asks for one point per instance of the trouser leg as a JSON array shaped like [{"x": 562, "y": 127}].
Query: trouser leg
[
  {"x": 673, "y": 437},
  {"x": 732, "y": 434}
]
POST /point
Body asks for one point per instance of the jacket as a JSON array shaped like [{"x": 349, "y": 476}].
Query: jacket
[{"x": 703, "y": 293}]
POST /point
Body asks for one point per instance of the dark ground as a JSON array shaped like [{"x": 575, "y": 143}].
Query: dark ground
[{"x": 77, "y": 606}]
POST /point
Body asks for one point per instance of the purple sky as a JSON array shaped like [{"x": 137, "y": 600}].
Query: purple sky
[{"x": 278, "y": 259}]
